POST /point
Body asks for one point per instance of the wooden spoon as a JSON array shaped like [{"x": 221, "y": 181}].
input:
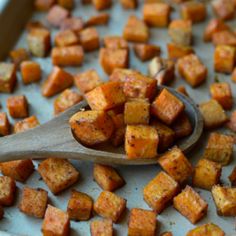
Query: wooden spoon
[{"x": 55, "y": 139}]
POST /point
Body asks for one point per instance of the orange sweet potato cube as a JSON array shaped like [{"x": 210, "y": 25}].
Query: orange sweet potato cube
[
  {"x": 44, "y": 5},
  {"x": 141, "y": 141},
  {"x": 224, "y": 9},
  {"x": 159, "y": 192},
  {"x": 146, "y": 52},
  {"x": 192, "y": 70},
  {"x": 92, "y": 127},
  {"x": 190, "y": 204},
  {"x": 183, "y": 90},
  {"x": 167, "y": 107},
  {"x": 136, "y": 30},
  {"x": 56, "y": 222},
  {"x": 7, "y": 190},
  {"x": 233, "y": 78},
  {"x": 39, "y": 42},
  {"x": 110, "y": 205},
  {"x": 7, "y": 77},
  {"x": 107, "y": 177},
  {"x": 168, "y": 233},
  {"x": 75, "y": 24},
  {"x": 129, "y": 4},
  {"x": 232, "y": 177},
  {"x": 56, "y": 82},
  {"x": 231, "y": 124},
  {"x": 18, "y": 106},
  {"x": 65, "y": 100},
  {"x": 18, "y": 170},
  {"x": 34, "y": 202},
  {"x": 26, "y": 124},
  {"x": 66, "y": 38},
  {"x": 194, "y": 11},
  {"x": 34, "y": 24},
  {"x": 30, "y": 72},
  {"x": 224, "y": 37},
  {"x": 115, "y": 42},
  {"x": 111, "y": 59},
  {"x": 19, "y": 55},
  {"x": 142, "y": 222},
  {"x": 58, "y": 174},
  {"x": 68, "y": 4},
  {"x": 100, "y": 19},
  {"x": 4, "y": 124},
  {"x": 156, "y": 14},
  {"x": 101, "y": 227},
  {"x": 206, "y": 229},
  {"x": 222, "y": 93},
  {"x": 80, "y": 206},
  {"x": 101, "y": 4},
  {"x": 56, "y": 15},
  {"x": 176, "y": 51}
]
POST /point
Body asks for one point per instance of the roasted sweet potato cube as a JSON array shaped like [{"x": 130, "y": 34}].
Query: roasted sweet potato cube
[
  {"x": 136, "y": 30},
  {"x": 101, "y": 4},
  {"x": 56, "y": 222},
  {"x": 206, "y": 174},
  {"x": 233, "y": 78},
  {"x": 168, "y": 233},
  {"x": 141, "y": 141},
  {"x": 80, "y": 206},
  {"x": 56, "y": 82},
  {"x": 219, "y": 148},
  {"x": 101, "y": 227},
  {"x": 224, "y": 37},
  {"x": 224, "y": 9},
  {"x": 18, "y": 106},
  {"x": 34, "y": 202},
  {"x": 100, "y": 19},
  {"x": 156, "y": 14},
  {"x": 146, "y": 52},
  {"x": 7, "y": 77},
  {"x": 192, "y": 70},
  {"x": 68, "y": 4},
  {"x": 1, "y": 212},
  {"x": 30, "y": 72},
  {"x": 163, "y": 70},
  {"x": 107, "y": 177},
  {"x": 4, "y": 124},
  {"x": 183, "y": 90},
  {"x": 66, "y": 38},
  {"x": 92, "y": 127},
  {"x": 159, "y": 192},
  {"x": 167, "y": 107},
  {"x": 18, "y": 170},
  {"x": 232, "y": 177},
  {"x": 26, "y": 124},
  {"x": 110, "y": 205},
  {"x": 222, "y": 93},
  {"x": 194, "y": 11},
  {"x": 115, "y": 42},
  {"x": 34, "y": 24},
  {"x": 65, "y": 100},
  {"x": 142, "y": 222},
  {"x": 206, "y": 229},
  {"x": 58, "y": 174},
  {"x": 57, "y": 15},
  {"x": 7, "y": 190},
  {"x": 180, "y": 32},
  {"x": 19, "y": 55},
  {"x": 129, "y": 4},
  {"x": 225, "y": 200},
  {"x": 44, "y": 5},
  {"x": 191, "y": 205},
  {"x": 232, "y": 122},
  {"x": 137, "y": 112},
  {"x": 176, "y": 51},
  {"x": 75, "y": 24}
]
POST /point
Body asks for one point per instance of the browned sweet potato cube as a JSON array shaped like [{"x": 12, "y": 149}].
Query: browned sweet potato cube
[
  {"x": 141, "y": 141},
  {"x": 119, "y": 133},
  {"x": 142, "y": 222},
  {"x": 233, "y": 78},
  {"x": 19, "y": 55},
  {"x": 194, "y": 11},
  {"x": 156, "y": 14},
  {"x": 163, "y": 70},
  {"x": 1, "y": 212},
  {"x": 192, "y": 70},
  {"x": 80, "y": 206},
  {"x": 129, "y": 4},
  {"x": 224, "y": 37},
  {"x": 56, "y": 82},
  {"x": 101, "y": 4},
  {"x": 18, "y": 106},
  {"x": 219, "y": 148},
  {"x": 183, "y": 90},
  {"x": 65, "y": 100},
  {"x": 232, "y": 122},
  {"x": 101, "y": 19},
  {"x": 159, "y": 192},
  {"x": 225, "y": 200},
  {"x": 190, "y": 204},
  {"x": 167, "y": 107},
  {"x": 176, "y": 51},
  {"x": 66, "y": 38},
  {"x": 57, "y": 15},
  {"x": 110, "y": 205},
  {"x": 92, "y": 127},
  {"x": 206, "y": 174},
  {"x": 34, "y": 24},
  {"x": 180, "y": 32},
  {"x": 101, "y": 227},
  {"x": 68, "y": 4},
  {"x": 222, "y": 93},
  {"x": 56, "y": 222},
  {"x": 18, "y": 170},
  {"x": 4, "y": 124},
  {"x": 232, "y": 177},
  {"x": 115, "y": 42},
  {"x": 206, "y": 229},
  {"x": 167, "y": 233},
  {"x": 137, "y": 112},
  {"x": 34, "y": 202},
  {"x": 72, "y": 23},
  {"x": 7, "y": 77},
  {"x": 26, "y": 124},
  {"x": 212, "y": 107},
  {"x": 146, "y": 52},
  {"x": 58, "y": 174},
  {"x": 7, "y": 190},
  {"x": 136, "y": 30},
  {"x": 30, "y": 72},
  {"x": 43, "y": 5},
  {"x": 224, "y": 9}
]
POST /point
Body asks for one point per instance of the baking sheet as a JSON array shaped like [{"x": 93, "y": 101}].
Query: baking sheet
[{"x": 136, "y": 177}]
